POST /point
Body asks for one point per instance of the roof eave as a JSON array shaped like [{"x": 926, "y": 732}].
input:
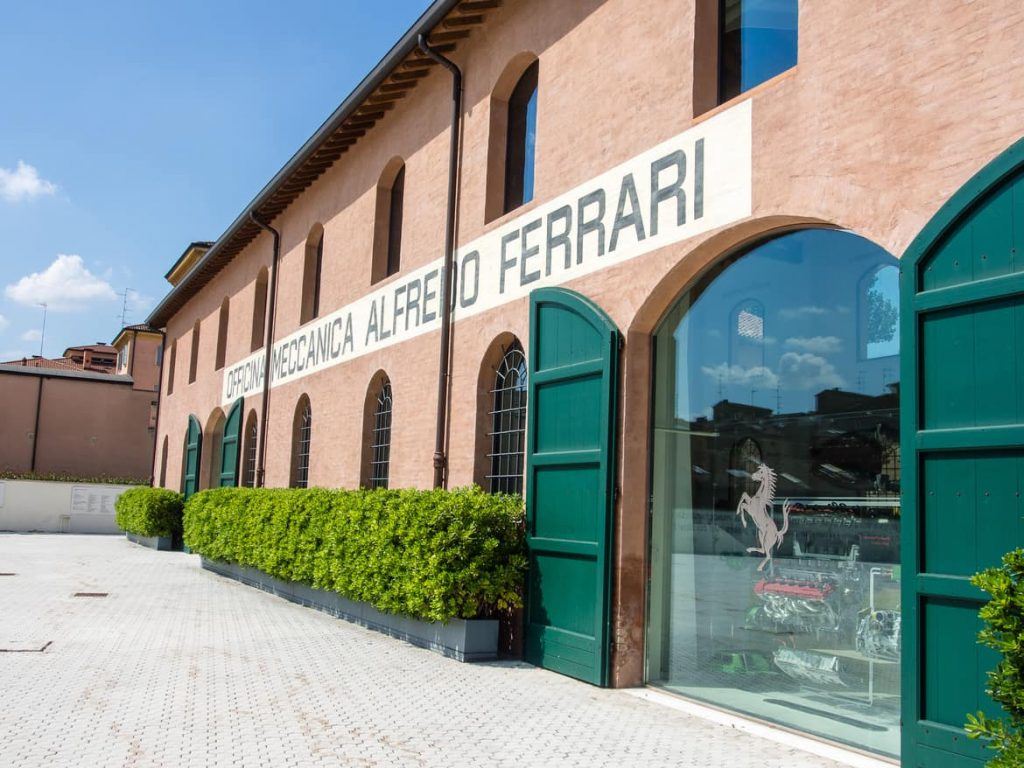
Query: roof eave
[{"x": 408, "y": 42}]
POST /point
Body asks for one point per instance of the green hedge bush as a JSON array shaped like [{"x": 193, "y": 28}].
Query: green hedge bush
[
  {"x": 433, "y": 555},
  {"x": 1004, "y": 632},
  {"x": 149, "y": 512}
]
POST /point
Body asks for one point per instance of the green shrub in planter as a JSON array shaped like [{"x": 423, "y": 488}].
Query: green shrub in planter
[
  {"x": 1004, "y": 632},
  {"x": 432, "y": 555},
  {"x": 149, "y": 512}
]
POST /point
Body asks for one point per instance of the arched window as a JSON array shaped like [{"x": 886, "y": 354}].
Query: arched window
[
  {"x": 380, "y": 436},
  {"x": 222, "y": 333},
  {"x": 172, "y": 359},
  {"x": 259, "y": 311},
  {"x": 302, "y": 433},
  {"x": 311, "y": 274},
  {"x": 508, "y": 423},
  {"x": 163, "y": 464},
  {"x": 193, "y": 363},
  {"x": 521, "y": 140},
  {"x": 249, "y": 440},
  {"x": 775, "y": 492},
  {"x": 212, "y": 453},
  {"x": 387, "y": 234}
]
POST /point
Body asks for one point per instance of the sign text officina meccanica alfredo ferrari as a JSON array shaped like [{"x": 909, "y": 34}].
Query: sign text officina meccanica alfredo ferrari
[{"x": 695, "y": 182}]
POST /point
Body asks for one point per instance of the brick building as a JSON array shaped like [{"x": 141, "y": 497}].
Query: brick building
[
  {"x": 679, "y": 326},
  {"x": 90, "y": 413}
]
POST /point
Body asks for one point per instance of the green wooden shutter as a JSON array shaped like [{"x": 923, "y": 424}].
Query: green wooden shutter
[
  {"x": 572, "y": 405},
  {"x": 230, "y": 451},
  {"x": 962, "y": 298},
  {"x": 193, "y": 449}
]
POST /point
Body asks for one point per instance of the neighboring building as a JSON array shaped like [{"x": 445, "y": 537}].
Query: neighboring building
[
  {"x": 677, "y": 326},
  {"x": 83, "y": 414},
  {"x": 98, "y": 357}
]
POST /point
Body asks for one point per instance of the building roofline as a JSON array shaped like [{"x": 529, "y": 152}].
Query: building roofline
[
  {"x": 139, "y": 328},
  {"x": 184, "y": 254},
  {"x": 283, "y": 188},
  {"x": 59, "y": 373}
]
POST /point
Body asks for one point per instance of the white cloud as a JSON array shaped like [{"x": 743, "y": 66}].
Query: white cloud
[
  {"x": 64, "y": 286},
  {"x": 4, "y": 323},
  {"x": 34, "y": 335},
  {"x": 807, "y": 371},
  {"x": 23, "y": 183},
  {"x": 757, "y": 377},
  {"x": 791, "y": 313},
  {"x": 821, "y": 345}
]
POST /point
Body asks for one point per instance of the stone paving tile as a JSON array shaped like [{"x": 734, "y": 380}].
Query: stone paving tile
[{"x": 179, "y": 668}]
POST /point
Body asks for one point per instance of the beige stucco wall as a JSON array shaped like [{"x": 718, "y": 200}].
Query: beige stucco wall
[{"x": 891, "y": 108}]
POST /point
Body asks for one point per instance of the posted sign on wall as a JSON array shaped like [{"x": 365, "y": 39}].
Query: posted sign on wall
[{"x": 687, "y": 185}]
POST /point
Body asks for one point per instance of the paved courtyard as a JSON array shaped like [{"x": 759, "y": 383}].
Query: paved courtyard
[{"x": 179, "y": 667}]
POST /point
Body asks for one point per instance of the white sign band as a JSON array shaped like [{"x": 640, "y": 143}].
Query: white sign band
[{"x": 687, "y": 185}]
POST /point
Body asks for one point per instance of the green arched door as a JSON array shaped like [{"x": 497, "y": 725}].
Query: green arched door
[
  {"x": 963, "y": 450},
  {"x": 230, "y": 449},
  {"x": 193, "y": 449},
  {"x": 570, "y": 471}
]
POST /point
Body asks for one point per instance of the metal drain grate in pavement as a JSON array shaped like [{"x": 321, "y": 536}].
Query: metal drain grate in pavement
[
  {"x": 27, "y": 646},
  {"x": 90, "y": 594}
]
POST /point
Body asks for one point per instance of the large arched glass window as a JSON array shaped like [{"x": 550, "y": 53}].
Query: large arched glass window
[
  {"x": 380, "y": 438},
  {"x": 302, "y": 434},
  {"x": 508, "y": 423},
  {"x": 250, "y": 438},
  {"x": 521, "y": 140},
  {"x": 775, "y": 488}
]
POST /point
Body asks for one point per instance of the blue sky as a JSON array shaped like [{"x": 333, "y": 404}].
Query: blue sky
[{"x": 132, "y": 128}]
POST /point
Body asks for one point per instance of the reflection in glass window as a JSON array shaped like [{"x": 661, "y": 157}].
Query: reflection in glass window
[
  {"x": 521, "y": 141},
  {"x": 775, "y": 538},
  {"x": 879, "y": 312},
  {"x": 757, "y": 40}
]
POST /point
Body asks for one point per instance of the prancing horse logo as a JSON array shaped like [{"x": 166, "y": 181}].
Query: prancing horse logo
[{"x": 759, "y": 507}]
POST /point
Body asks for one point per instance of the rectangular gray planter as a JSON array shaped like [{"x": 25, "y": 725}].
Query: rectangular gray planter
[
  {"x": 460, "y": 639},
  {"x": 153, "y": 542}
]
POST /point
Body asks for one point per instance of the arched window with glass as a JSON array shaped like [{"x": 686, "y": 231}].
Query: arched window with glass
[
  {"x": 775, "y": 526},
  {"x": 380, "y": 437},
  {"x": 508, "y": 423},
  {"x": 250, "y": 439},
  {"x": 521, "y": 140},
  {"x": 302, "y": 435}
]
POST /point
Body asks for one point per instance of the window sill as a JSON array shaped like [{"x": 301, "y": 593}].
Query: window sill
[{"x": 757, "y": 90}]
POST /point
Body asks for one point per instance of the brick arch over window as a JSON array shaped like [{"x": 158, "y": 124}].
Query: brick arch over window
[
  {"x": 210, "y": 457},
  {"x": 163, "y": 463},
  {"x": 222, "y": 333},
  {"x": 302, "y": 439},
  {"x": 501, "y": 417},
  {"x": 312, "y": 271},
  {"x": 387, "y": 223},
  {"x": 377, "y": 419},
  {"x": 193, "y": 363},
  {"x": 506, "y": 137},
  {"x": 250, "y": 440},
  {"x": 259, "y": 310},
  {"x": 171, "y": 363}
]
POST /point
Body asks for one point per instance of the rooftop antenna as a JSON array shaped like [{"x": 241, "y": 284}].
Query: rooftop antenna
[
  {"x": 124, "y": 307},
  {"x": 42, "y": 334}
]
